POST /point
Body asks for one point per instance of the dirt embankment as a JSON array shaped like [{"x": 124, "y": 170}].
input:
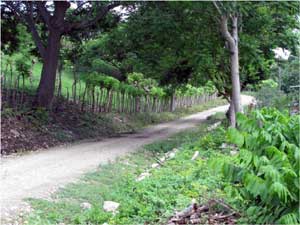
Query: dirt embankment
[
  {"x": 28, "y": 130},
  {"x": 32, "y": 130}
]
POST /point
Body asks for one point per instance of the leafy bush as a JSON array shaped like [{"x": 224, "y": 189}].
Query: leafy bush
[
  {"x": 287, "y": 74},
  {"x": 269, "y": 95},
  {"x": 103, "y": 67},
  {"x": 265, "y": 173},
  {"x": 134, "y": 78},
  {"x": 268, "y": 83}
]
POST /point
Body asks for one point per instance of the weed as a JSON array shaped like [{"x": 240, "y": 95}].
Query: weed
[{"x": 151, "y": 200}]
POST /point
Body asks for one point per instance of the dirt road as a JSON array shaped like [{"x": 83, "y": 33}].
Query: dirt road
[{"x": 38, "y": 174}]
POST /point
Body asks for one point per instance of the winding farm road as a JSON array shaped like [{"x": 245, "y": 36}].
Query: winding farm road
[{"x": 38, "y": 174}]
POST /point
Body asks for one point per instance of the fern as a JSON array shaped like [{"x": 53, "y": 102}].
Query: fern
[
  {"x": 280, "y": 190},
  {"x": 290, "y": 218},
  {"x": 267, "y": 166},
  {"x": 270, "y": 172},
  {"x": 255, "y": 185}
]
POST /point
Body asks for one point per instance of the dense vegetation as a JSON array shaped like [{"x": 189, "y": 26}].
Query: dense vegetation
[
  {"x": 266, "y": 171},
  {"x": 84, "y": 69},
  {"x": 258, "y": 175},
  {"x": 169, "y": 42}
]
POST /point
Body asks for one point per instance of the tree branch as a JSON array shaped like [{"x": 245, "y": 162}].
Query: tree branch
[
  {"x": 15, "y": 10},
  {"x": 102, "y": 13},
  {"x": 217, "y": 7},
  {"x": 224, "y": 30},
  {"x": 36, "y": 37},
  {"x": 28, "y": 19},
  {"x": 234, "y": 20},
  {"x": 43, "y": 12},
  {"x": 80, "y": 5}
]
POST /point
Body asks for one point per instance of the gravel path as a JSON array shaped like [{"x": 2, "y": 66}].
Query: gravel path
[{"x": 38, "y": 174}]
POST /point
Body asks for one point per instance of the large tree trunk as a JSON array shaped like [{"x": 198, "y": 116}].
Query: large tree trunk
[
  {"x": 47, "y": 83},
  {"x": 57, "y": 26},
  {"x": 55, "y": 23}
]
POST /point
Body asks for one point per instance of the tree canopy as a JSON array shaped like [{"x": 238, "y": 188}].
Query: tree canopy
[{"x": 172, "y": 42}]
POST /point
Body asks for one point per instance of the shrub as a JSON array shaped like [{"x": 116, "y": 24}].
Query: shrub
[
  {"x": 268, "y": 83},
  {"x": 265, "y": 173},
  {"x": 135, "y": 78},
  {"x": 269, "y": 95}
]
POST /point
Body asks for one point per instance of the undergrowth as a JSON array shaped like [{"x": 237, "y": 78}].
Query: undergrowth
[
  {"x": 265, "y": 173},
  {"x": 150, "y": 201},
  {"x": 257, "y": 174}
]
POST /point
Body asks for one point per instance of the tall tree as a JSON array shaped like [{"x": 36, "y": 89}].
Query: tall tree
[
  {"x": 53, "y": 18},
  {"x": 274, "y": 21},
  {"x": 232, "y": 40}
]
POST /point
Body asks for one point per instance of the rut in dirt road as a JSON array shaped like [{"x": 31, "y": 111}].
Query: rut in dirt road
[{"x": 38, "y": 174}]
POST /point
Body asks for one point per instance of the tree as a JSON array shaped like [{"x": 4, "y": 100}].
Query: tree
[
  {"x": 53, "y": 18},
  {"x": 232, "y": 44},
  {"x": 273, "y": 20}
]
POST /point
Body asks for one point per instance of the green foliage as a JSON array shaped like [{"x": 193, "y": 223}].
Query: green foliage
[
  {"x": 137, "y": 85},
  {"x": 268, "y": 95},
  {"x": 22, "y": 66},
  {"x": 170, "y": 41},
  {"x": 135, "y": 78},
  {"x": 101, "y": 66},
  {"x": 290, "y": 75},
  {"x": 101, "y": 80},
  {"x": 157, "y": 91},
  {"x": 266, "y": 171},
  {"x": 268, "y": 83},
  {"x": 150, "y": 201},
  {"x": 286, "y": 73},
  {"x": 190, "y": 90},
  {"x": 235, "y": 137}
]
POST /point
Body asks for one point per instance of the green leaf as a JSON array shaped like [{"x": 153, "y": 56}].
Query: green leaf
[
  {"x": 255, "y": 185},
  {"x": 235, "y": 137},
  {"x": 290, "y": 218},
  {"x": 281, "y": 191}
]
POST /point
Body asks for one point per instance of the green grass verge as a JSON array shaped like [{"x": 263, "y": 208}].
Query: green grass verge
[
  {"x": 66, "y": 79},
  {"x": 150, "y": 201},
  {"x": 143, "y": 119}
]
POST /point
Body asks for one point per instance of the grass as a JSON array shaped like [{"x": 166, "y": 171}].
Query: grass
[
  {"x": 143, "y": 119},
  {"x": 66, "y": 79},
  {"x": 150, "y": 201}
]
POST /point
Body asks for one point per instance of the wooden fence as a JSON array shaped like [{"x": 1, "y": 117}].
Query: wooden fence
[{"x": 15, "y": 95}]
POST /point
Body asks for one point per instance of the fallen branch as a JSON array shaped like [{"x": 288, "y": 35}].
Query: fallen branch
[
  {"x": 219, "y": 217},
  {"x": 226, "y": 206},
  {"x": 205, "y": 214}
]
